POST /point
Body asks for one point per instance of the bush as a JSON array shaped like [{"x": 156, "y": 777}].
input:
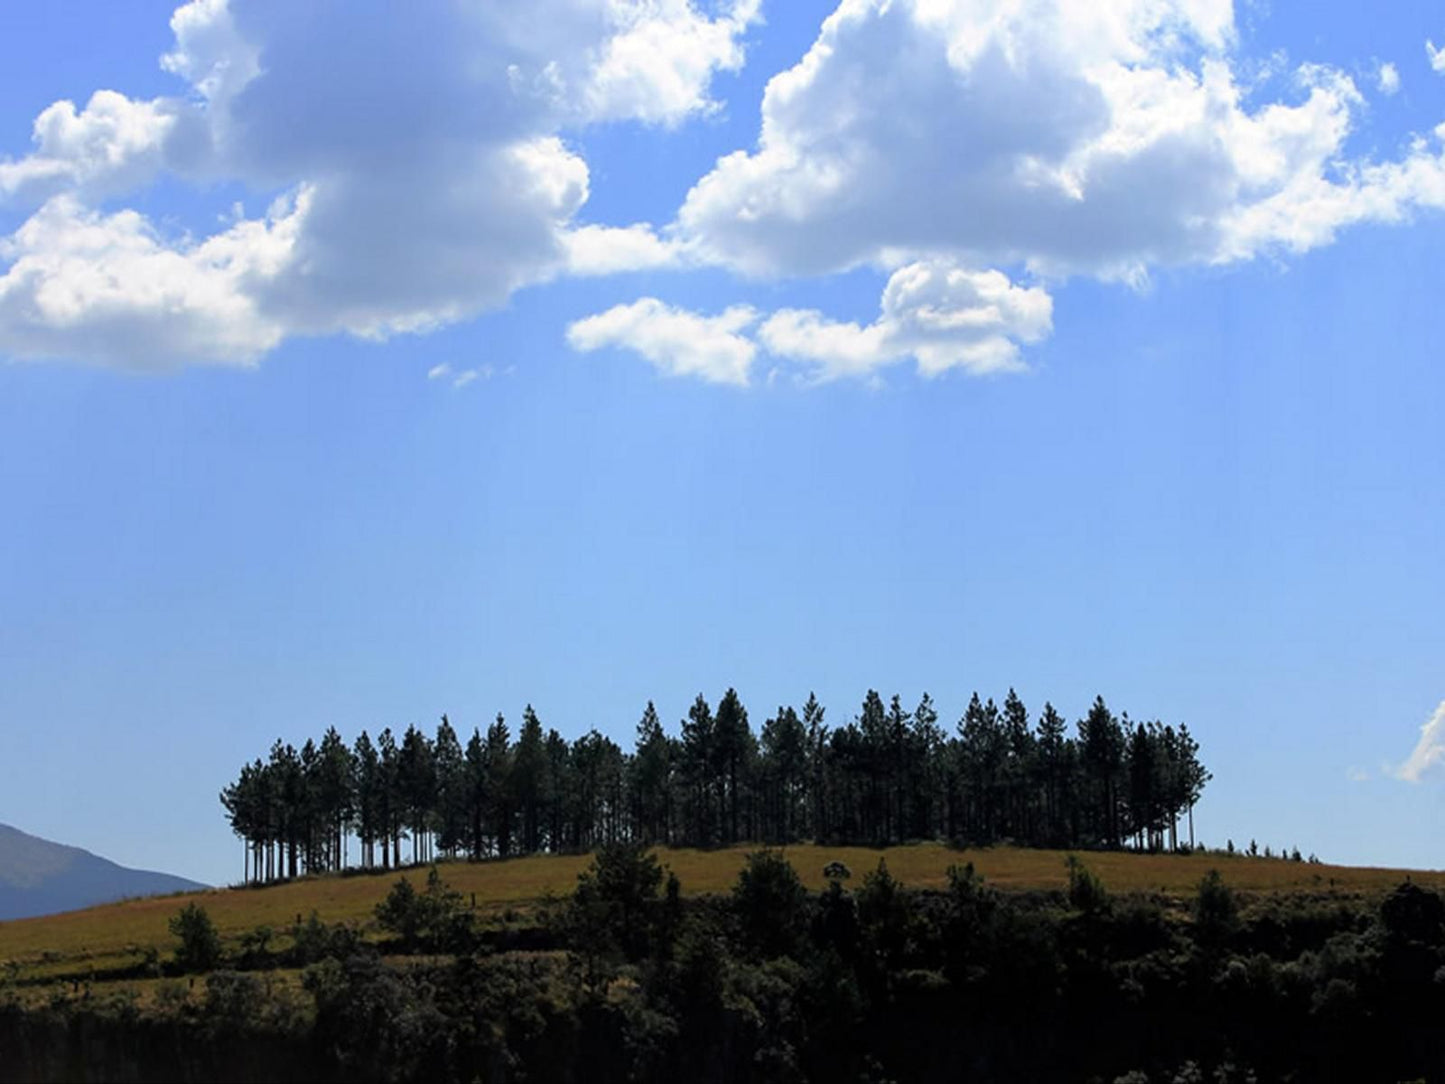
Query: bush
[
  {"x": 614, "y": 904},
  {"x": 1086, "y": 892},
  {"x": 884, "y": 915},
  {"x": 315, "y": 941},
  {"x": 771, "y": 904},
  {"x": 438, "y": 917},
  {"x": 1216, "y": 912},
  {"x": 234, "y": 999},
  {"x": 1412, "y": 913},
  {"x": 200, "y": 948}
]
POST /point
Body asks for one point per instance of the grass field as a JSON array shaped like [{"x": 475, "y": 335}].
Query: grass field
[{"x": 116, "y": 935}]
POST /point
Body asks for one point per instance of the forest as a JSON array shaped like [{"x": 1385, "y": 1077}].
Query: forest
[{"x": 888, "y": 775}]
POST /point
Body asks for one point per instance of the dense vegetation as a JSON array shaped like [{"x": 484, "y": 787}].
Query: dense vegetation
[
  {"x": 889, "y": 774},
  {"x": 866, "y": 980}
]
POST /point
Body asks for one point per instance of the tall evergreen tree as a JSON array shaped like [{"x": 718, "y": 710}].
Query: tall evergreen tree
[
  {"x": 501, "y": 808},
  {"x": 1101, "y": 741},
  {"x": 529, "y": 779},
  {"x": 652, "y": 778},
  {"x": 369, "y": 824},
  {"x": 699, "y": 753},
  {"x": 450, "y": 768},
  {"x": 733, "y": 746}
]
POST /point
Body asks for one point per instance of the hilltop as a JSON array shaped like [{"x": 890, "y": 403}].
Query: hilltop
[
  {"x": 1112, "y": 966},
  {"x": 112, "y": 937}
]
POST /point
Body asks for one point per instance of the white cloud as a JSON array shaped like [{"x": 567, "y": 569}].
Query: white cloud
[
  {"x": 113, "y": 144},
  {"x": 108, "y": 288},
  {"x": 465, "y": 378},
  {"x": 439, "y": 372},
  {"x": 659, "y": 62},
  {"x": 607, "y": 250},
  {"x": 420, "y": 146},
  {"x": 1066, "y": 138},
  {"x": 941, "y": 315},
  {"x": 1437, "y": 57},
  {"x": 1358, "y": 775},
  {"x": 1388, "y": 79},
  {"x": 1428, "y": 755},
  {"x": 677, "y": 342}
]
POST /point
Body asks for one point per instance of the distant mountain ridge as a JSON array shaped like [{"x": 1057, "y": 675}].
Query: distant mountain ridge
[{"x": 39, "y": 877}]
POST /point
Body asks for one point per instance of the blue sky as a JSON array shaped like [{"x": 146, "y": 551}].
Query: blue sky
[{"x": 429, "y": 359}]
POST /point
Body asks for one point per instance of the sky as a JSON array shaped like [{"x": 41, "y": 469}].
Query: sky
[{"x": 365, "y": 362}]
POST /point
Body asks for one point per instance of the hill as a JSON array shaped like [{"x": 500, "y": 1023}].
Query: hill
[
  {"x": 114, "y": 936},
  {"x": 39, "y": 877}
]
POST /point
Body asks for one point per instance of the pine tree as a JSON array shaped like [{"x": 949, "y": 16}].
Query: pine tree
[
  {"x": 929, "y": 777},
  {"x": 368, "y": 799},
  {"x": 699, "y": 742},
  {"x": 1102, "y": 749},
  {"x": 390, "y": 806},
  {"x": 500, "y": 811},
  {"x": 529, "y": 779},
  {"x": 417, "y": 784},
  {"x": 732, "y": 748},
  {"x": 450, "y": 768},
  {"x": 475, "y": 771},
  {"x": 817, "y": 755},
  {"x": 651, "y": 778}
]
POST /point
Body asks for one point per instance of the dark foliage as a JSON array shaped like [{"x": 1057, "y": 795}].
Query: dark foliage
[
  {"x": 888, "y": 775},
  {"x": 770, "y": 983}
]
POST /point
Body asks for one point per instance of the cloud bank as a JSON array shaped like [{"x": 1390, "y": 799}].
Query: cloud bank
[
  {"x": 412, "y": 160},
  {"x": 415, "y": 171},
  {"x": 963, "y": 147}
]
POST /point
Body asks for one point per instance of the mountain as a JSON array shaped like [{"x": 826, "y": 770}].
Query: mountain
[{"x": 38, "y": 877}]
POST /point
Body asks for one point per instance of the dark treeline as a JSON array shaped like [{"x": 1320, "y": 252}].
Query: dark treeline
[
  {"x": 868, "y": 980},
  {"x": 889, "y": 774}
]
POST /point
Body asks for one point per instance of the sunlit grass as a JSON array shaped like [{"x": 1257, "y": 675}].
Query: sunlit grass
[{"x": 116, "y": 936}]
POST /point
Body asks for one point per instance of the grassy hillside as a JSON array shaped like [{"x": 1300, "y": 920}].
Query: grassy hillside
[{"x": 117, "y": 935}]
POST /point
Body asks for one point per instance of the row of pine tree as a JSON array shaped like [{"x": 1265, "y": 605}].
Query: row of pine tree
[{"x": 889, "y": 775}]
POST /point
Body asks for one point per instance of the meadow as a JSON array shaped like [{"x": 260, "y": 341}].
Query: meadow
[{"x": 117, "y": 936}]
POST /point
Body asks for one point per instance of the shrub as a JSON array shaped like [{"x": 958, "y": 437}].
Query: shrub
[
  {"x": 401, "y": 913},
  {"x": 234, "y": 999},
  {"x": 200, "y": 948},
  {"x": 771, "y": 904},
  {"x": 1412, "y": 913},
  {"x": 1086, "y": 891},
  {"x": 613, "y": 905},
  {"x": 438, "y": 917},
  {"x": 315, "y": 940},
  {"x": 1216, "y": 912},
  {"x": 884, "y": 914}
]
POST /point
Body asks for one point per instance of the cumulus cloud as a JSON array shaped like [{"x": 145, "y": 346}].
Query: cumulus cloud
[
  {"x": 677, "y": 342},
  {"x": 1428, "y": 756},
  {"x": 1436, "y": 56},
  {"x": 607, "y": 250},
  {"x": 420, "y": 151},
  {"x": 1066, "y": 138},
  {"x": 657, "y": 64},
  {"x": 114, "y": 144},
  {"x": 1387, "y": 79},
  {"x": 108, "y": 288},
  {"x": 941, "y": 315}
]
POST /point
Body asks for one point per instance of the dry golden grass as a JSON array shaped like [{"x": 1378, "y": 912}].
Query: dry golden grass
[{"x": 116, "y": 935}]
